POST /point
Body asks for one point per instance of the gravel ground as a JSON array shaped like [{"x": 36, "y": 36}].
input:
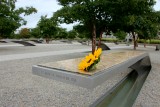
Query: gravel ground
[
  {"x": 150, "y": 94},
  {"x": 20, "y": 88}
]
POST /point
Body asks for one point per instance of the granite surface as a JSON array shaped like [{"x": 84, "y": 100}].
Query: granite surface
[{"x": 107, "y": 60}]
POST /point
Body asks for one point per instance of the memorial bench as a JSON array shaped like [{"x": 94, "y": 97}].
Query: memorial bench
[
  {"x": 112, "y": 62},
  {"x": 157, "y": 47},
  {"x": 1, "y": 41},
  {"x": 37, "y": 41},
  {"x": 25, "y": 43}
]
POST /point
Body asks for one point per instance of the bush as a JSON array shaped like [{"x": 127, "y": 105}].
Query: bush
[
  {"x": 120, "y": 35},
  {"x": 141, "y": 41},
  {"x": 152, "y": 41}
]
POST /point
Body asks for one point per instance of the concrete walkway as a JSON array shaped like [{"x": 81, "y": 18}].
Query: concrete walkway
[
  {"x": 39, "y": 54},
  {"x": 50, "y": 53},
  {"x": 10, "y": 45}
]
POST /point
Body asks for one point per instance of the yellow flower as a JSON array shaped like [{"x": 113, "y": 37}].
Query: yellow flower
[
  {"x": 83, "y": 65},
  {"x": 89, "y": 60},
  {"x": 98, "y": 52},
  {"x": 92, "y": 57}
]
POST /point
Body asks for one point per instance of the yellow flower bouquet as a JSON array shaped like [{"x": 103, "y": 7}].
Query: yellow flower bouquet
[{"x": 90, "y": 61}]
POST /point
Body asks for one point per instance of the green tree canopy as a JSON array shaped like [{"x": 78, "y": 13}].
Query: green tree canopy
[
  {"x": 61, "y": 33},
  {"x": 72, "y": 34},
  {"x": 131, "y": 16},
  {"x": 24, "y": 33},
  {"x": 86, "y": 12},
  {"x": 10, "y": 18},
  {"x": 150, "y": 25},
  {"x": 82, "y": 31},
  {"x": 35, "y": 32},
  {"x": 98, "y": 16},
  {"x": 120, "y": 34},
  {"x": 48, "y": 27}
]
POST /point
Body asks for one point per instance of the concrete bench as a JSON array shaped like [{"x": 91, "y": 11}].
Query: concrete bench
[
  {"x": 111, "y": 63},
  {"x": 24, "y": 43},
  {"x": 157, "y": 47}
]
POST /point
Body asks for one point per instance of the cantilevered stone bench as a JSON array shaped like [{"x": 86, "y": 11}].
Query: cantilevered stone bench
[
  {"x": 24, "y": 43},
  {"x": 111, "y": 63}
]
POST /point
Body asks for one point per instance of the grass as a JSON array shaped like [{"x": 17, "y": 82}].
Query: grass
[{"x": 152, "y": 41}]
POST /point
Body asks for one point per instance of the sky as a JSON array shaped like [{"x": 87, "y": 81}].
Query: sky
[
  {"x": 44, "y": 7},
  {"x": 48, "y": 7}
]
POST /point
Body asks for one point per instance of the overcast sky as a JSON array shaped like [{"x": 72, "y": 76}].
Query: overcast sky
[{"x": 47, "y": 7}]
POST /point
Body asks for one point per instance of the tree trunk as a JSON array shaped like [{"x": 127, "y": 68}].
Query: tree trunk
[
  {"x": 145, "y": 43},
  {"x": 47, "y": 40},
  {"x": 134, "y": 40},
  {"x": 136, "y": 43},
  {"x": 100, "y": 38},
  {"x": 93, "y": 38}
]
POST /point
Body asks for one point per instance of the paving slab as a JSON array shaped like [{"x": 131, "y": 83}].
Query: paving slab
[{"x": 21, "y": 52}]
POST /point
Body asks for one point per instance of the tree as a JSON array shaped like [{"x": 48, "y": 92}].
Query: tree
[
  {"x": 87, "y": 12},
  {"x": 24, "y": 33},
  {"x": 61, "y": 33},
  {"x": 35, "y": 32},
  {"x": 120, "y": 35},
  {"x": 150, "y": 25},
  {"x": 10, "y": 18},
  {"x": 129, "y": 14},
  {"x": 99, "y": 16},
  {"x": 48, "y": 28},
  {"x": 72, "y": 34},
  {"x": 82, "y": 31}
]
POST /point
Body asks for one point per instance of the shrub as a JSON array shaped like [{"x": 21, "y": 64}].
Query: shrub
[{"x": 152, "y": 41}]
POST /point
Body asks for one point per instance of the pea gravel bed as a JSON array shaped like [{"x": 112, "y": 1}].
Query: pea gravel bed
[
  {"x": 20, "y": 88},
  {"x": 149, "y": 95}
]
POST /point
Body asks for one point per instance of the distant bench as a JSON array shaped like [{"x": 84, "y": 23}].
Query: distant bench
[
  {"x": 37, "y": 41},
  {"x": 1, "y": 41},
  {"x": 24, "y": 43},
  {"x": 157, "y": 47}
]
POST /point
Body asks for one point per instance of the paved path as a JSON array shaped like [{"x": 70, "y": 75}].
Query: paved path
[
  {"x": 39, "y": 54},
  {"x": 10, "y": 45},
  {"x": 59, "y": 49}
]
